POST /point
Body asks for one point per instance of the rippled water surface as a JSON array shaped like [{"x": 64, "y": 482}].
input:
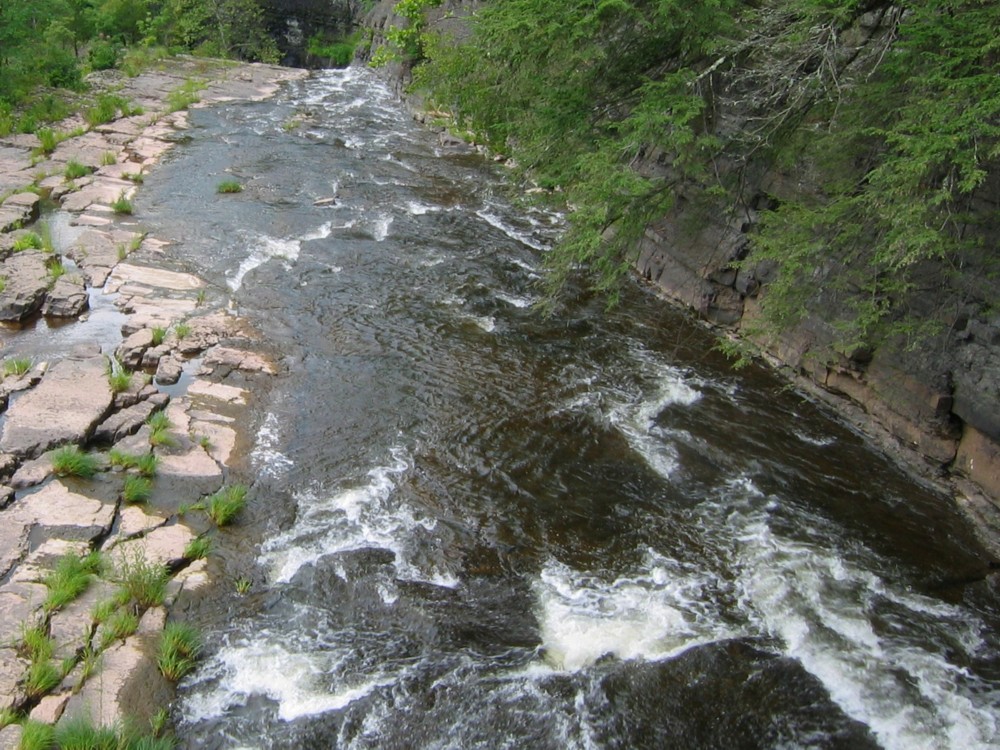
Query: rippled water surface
[{"x": 480, "y": 528}]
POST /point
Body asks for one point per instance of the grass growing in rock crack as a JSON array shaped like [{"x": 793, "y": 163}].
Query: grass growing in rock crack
[
  {"x": 198, "y": 548},
  {"x": 180, "y": 645},
  {"x": 71, "y": 461},
  {"x": 41, "y": 678},
  {"x": 181, "y": 330},
  {"x": 160, "y": 425},
  {"x": 159, "y": 333},
  {"x": 145, "y": 463},
  {"x": 16, "y": 366},
  {"x": 28, "y": 241},
  {"x": 122, "y": 205},
  {"x": 229, "y": 186},
  {"x": 70, "y": 578},
  {"x": 108, "y": 158},
  {"x": 119, "y": 626},
  {"x": 142, "y": 581},
  {"x": 136, "y": 489},
  {"x": 75, "y": 170},
  {"x": 120, "y": 381},
  {"x": 243, "y": 586},
  {"x": 225, "y": 505},
  {"x": 48, "y": 139},
  {"x": 55, "y": 268},
  {"x": 80, "y": 733},
  {"x": 35, "y": 644}
]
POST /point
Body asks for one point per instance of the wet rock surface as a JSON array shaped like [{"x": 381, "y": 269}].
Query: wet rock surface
[{"x": 115, "y": 506}]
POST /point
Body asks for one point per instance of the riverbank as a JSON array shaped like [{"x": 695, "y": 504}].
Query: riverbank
[{"x": 117, "y": 449}]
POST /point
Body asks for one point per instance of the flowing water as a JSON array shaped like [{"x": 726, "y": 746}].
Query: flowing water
[{"x": 481, "y": 528}]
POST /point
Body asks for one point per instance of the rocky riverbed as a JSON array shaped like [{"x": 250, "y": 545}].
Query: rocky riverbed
[{"x": 109, "y": 471}]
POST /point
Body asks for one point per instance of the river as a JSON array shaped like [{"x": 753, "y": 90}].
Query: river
[{"x": 476, "y": 527}]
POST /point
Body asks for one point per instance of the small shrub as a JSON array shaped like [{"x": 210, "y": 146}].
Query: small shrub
[
  {"x": 143, "y": 582},
  {"x": 225, "y": 505},
  {"x": 28, "y": 241},
  {"x": 16, "y": 366},
  {"x": 229, "y": 186},
  {"x": 136, "y": 489},
  {"x": 122, "y": 205},
  {"x": 71, "y": 461},
  {"x": 75, "y": 170},
  {"x": 198, "y": 548},
  {"x": 180, "y": 645}
]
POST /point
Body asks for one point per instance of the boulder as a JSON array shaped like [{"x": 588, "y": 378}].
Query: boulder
[
  {"x": 127, "y": 421},
  {"x": 130, "y": 352},
  {"x": 26, "y": 203},
  {"x": 66, "y": 299},
  {"x": 169, "y": 370},
  {"x": 27, "y": 283},
  {"x": 66, "y": 513},
  {"x": 65, "y": 407}
]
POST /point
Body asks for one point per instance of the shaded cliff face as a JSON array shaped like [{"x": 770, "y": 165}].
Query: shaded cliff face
[{"x": 938, "y": 393}]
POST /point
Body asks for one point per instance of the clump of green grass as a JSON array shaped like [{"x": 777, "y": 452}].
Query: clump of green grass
[
  {"x": 182, "y": 330},
  {"x": 103, "y": 610},
  {"x": 160, "y": 425},
  {"x": 36, "y": 735},
  {"x": 28, "y": 241},
  {"x": 141, "y": 581},
  {"x": 180, "y": 645},
  {"x": 136, "y": 178},
  {"x": 119, "y": 626},
  {"x": 145, "y": 463},
  {"x": 35, "y": 644},
  {"x": 159, "y": 333},
  {"x": 75, "y": 170},
  {"x": 200, "y": 299},
  {"x": 184, "y": 96},
  {"x": 122, "y": 205},
  {"x": 42, "y": 677},
  {"x": 79, "y": 733},
  {"x": 120, "y": 380},
  {"x": 198, "y": 548},
  {"x": 229, "y": 186},
  {"x": 70, "y": 461},
  {"x": 69, "y": 579},
  {"x": 136, "y": 489},
  {"x": 48, "y": 140},
  {"x": 55, "y": 268},
  {"x": 16, "y": 366},
  {"x": 243, "y": 586},
  {"x": 108, "y": 158},
  {"x": 226, "y": 504}
]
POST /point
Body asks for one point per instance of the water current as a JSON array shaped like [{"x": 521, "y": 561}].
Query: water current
[{"x": 476, "y": 527}]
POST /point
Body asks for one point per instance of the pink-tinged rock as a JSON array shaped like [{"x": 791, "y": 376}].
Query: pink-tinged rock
[
  {"x": 12, "y": 669},
  {"x": 70, "y": 515},
  {"x": 65, "y": 407},
  {"x": 14, "y": 530},
  {"x": 43, "y": 560},
  {"x": 50, "y": 708},
  {"x": 221, "y": 437},
  {"x": 130, "y": 351},
  {"x": 238, "y": 359},
  {"x": 19, "y": 605},
  {"x": 127, "y": 684},
  {"x": 155, "y": 278},
  {"x": 70, "y": 627},
  {"x": 228, "y": 394},
  {"x": 10, "y": 735},
  {"x": 134, "y": 521},
  {"x": 162, "y": 545}
]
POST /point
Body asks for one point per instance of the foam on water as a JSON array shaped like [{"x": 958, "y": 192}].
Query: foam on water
[
  {"x": 658, "y": 612},
  {"x": 295, "y": 680},
  {"x": 380, "y": 229},
  {"x": 263, "y": 249},
  {"x": 321, "y": 233},
  {"x": 498, "y": 222},
  {"x": 838, "y": 621},
  {"x": 358, "y": 517},
  {"x": 267, "y": 459}
]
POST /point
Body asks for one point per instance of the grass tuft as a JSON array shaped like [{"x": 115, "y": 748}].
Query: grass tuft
[
  {"x": 182, "y": 330},
  {"x": 143, "y": 582},
  {"x": 136, "y": 489},
  {"x": 69, "y": 579},
  {"x": 36, "y": 735},
  {"x": 28, "y": 241},
  {"x": 180, "y": 645},
  {"x": 229, "y": 186},
  {"x": 16, "y": 366},
  {"x": 225, "y": 505},
  {"x": 159, "y": 333},
  {"x": 122, "y": 205},
  {"x": 119, "y": 626},
  {"x": 74, "y": 170},
  {"x": 71, "y": 461},
  {"x": 198, "y": 548}
]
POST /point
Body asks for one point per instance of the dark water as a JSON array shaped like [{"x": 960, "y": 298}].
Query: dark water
[{"x": 484, "y": 529}]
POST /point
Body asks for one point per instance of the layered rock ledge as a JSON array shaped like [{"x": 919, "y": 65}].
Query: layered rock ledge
[{"x": 149, "y": 461}]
